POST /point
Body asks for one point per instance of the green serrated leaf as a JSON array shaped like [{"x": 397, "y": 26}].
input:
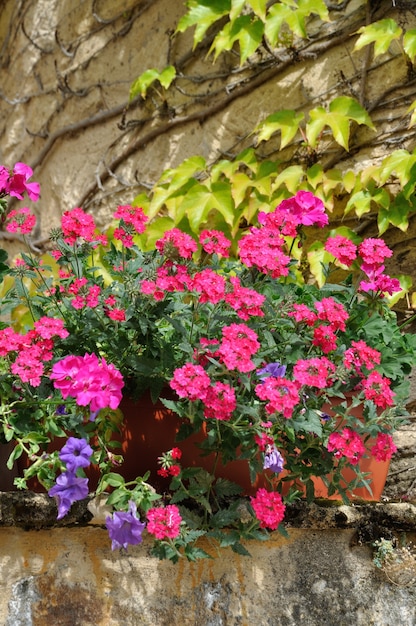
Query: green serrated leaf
[
  {"x": 259, "y": 7},
  {"x": 202, "y": 14},
  {"x": 409, "y": 43},
  {"x": 381, "y": 33},
  {"x": 145, "y": 80},
  {"x": 287, "y": 121}
]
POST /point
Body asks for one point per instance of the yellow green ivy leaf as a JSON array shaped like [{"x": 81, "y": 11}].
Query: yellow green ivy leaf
[
  {"x": 259, "y": 7},
  {"x": 405, "y": 284},
  {"x": 290, "y": 177},
  {"x": 342, "y": 111},
  {"x": 244, "y": 29},
  {"x": 286, "y": 120},
  {"x": 318, "y": 258},
  {"x": 145, "y": 80},
  {"x": 413, "y": 116},
  {"x": 202, "y": 14},
  {"x": 409, "y": 43},
  {"x": 381, "y": 33}
]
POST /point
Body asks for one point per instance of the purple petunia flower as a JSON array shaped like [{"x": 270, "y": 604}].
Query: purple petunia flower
[
  {"x": 125, "y": 528},
  {"x": 273, "y": 460},
  {"x": 68, "y": 489},
  {"x": 272, "y": 369},
  {"x": 76, "y": 453}
]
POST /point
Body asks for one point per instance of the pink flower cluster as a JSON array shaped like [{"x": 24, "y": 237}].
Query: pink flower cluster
[
  {"x": 16, "y": 183},
  {"x": 20, "y": 221},
  {"x": 132, "y": 221},
  {"x": 346, "y": 443},
  {"x": 372, "y": 253},
  {"x": 192, "y": 382},
  {"x": 384, "y": 448},
  {"x": 269, "y": 508},
  {"x": 90, "y": 380},
  {"x": 30, "y": 351},
  {"x": 164, "y": 522},
  {"x": 263, "y": 247},
  {"x": 76, "y": 224},
  {"x": 281, "y": 394}
]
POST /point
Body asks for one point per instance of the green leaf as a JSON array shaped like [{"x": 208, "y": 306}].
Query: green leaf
[
  {"x": 287, "y": 121},
  {"x": 236, "y": 8},
  {"x": 240, "y": 549},
  {"x": 202, "y": 14},
  {"x": 291, "y": 177},
  {"x": 245, "y": 30},
  {"x": 294, "y": 16},
  {"x": 317, "y": 259},
  {"x": 413, "y": 116},
  {"x": 409, "y": 44},
  {"x": 145, "y": 80},
  {"x": 341, "y": 111},
  {"x": 17, "y": 452},
  {"x": 381, "y": 33},
  {"x": 259, "y": 7},
  {"x": 114, "y": 480}
]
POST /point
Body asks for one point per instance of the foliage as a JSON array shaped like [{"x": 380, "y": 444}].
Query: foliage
[{"x": 265, "y": 367}]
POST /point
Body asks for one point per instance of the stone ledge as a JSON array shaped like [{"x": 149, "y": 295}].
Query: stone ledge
[{"x": 30, "y": 510}]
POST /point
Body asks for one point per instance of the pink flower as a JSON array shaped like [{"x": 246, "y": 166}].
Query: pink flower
[
  {"x": 384, "y": 448},
  {"x": 175, "y": 244},
  {"x": 262, "y": 248},
  {"x": 246, "y": 302},
  {"x": 118, "y": 315},
  {"x": 164, "y": 522},
  {"x": 347, "y": 444},
  {"x": 239, "y": 344},
  {"x": 76, "y": 223},
  {"x": 190, "y": 381},
  {"x": 20, "y": 221},
  {"x": 333, "y": 312},
  {"x": 374, "y": 251},
  {"x": 343, "y": 249},
  {"x": 324, "y": 338},
  {"x": 132, "y": 215},
  {"x": 90, "y": 380},
  {"x": 269, "y": 508},
  {"x": 314, "y": 372},
  {"x": 377, "y": 389},
  {"x": 282, "y": 395},
  {"x": 16, "y": 184},
  {"x": 215, "y": 242},
  {"x": 303, "y": 313},
  {"x": 306, "y": 208},
  {"x": 210, "y": 286},
  {"x": 220, "y": 402},
  {"x": 361, "y": 355},
  {"x": 49, "y": 327}
]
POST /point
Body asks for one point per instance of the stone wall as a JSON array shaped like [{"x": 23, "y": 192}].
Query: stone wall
[{"x": 322, "y": 574}]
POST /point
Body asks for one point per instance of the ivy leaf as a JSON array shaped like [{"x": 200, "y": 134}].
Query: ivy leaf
[
  {"x": 381, "y": 33},
  {"x": 145, "y": 80},
  {"x": 409, "y": 44},
  {"x": 202, "y": 14},
  {"x": 413, "y": 116},
  {"x": 245, "y": 30},
  {"x": 294, "y": 16},
  {"x": 317, "y": 259},
  {"x": 236, "y": 8},
  {"x": 287, "y": 121},
  {"x": 341, "y": 112},
  {"x": 259, "y": 7}
]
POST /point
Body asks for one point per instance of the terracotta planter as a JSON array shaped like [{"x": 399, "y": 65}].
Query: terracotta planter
[
  {"x": 150, "y": 429},
  {"x": 377, "y": 470}
]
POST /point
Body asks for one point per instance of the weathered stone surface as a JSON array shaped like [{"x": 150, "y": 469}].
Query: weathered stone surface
[{"x": 69, "y": 576}]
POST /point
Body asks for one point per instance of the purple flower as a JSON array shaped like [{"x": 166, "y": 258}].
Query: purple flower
[
  {"x": 272, "y": 369},
  {"x": 125, "y": 528},
  {"x": 273, "y": 460},
  {"x": 68, "y": 489},
  {"x": 76, "y": 453}
]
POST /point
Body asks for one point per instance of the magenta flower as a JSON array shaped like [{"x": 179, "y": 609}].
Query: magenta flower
[
  {"x": 269, "y": 508},
  {"x": 18, "y": 184},
  {"x": 346, "y": 443},
  {"x": 124, "y": 528},
  {"x": 384, "y": 448},
  {"x": 68, "y": 489},
  {"x": 164, "y": 522}
]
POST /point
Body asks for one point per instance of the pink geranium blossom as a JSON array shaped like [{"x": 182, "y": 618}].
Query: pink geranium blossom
[
  {"x": 164, "y": 522},
  {"x": 346, "y": 443},
  {"x": 384, "y": 448}
]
